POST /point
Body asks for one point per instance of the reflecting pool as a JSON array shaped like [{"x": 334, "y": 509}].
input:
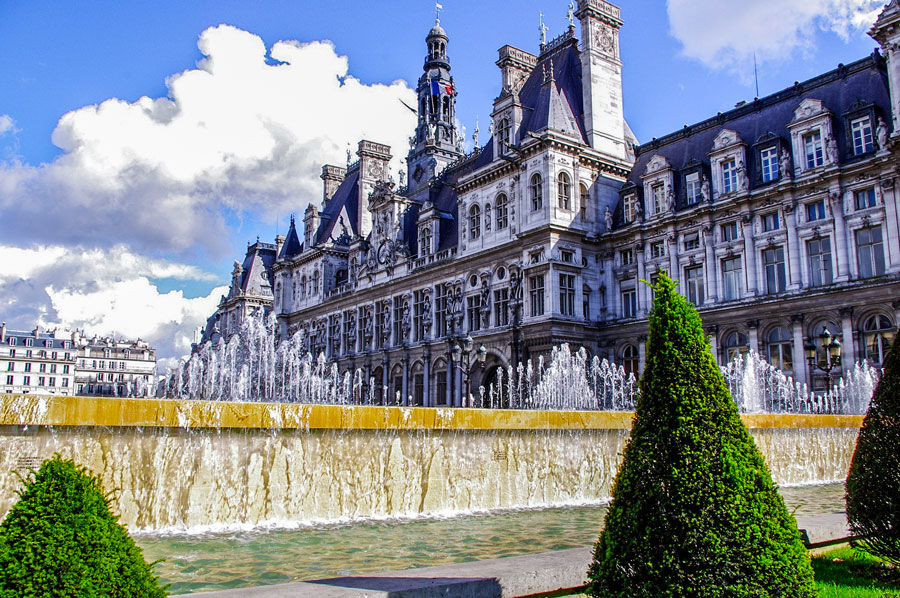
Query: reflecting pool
[{"x": 210, "y": 561}]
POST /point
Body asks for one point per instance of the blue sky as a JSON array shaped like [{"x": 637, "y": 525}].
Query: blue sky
[{"x": 139, "y": 186}]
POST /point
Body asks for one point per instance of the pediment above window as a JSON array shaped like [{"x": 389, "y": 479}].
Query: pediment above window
[
  {"x": 809, "y": 108},
  {"x": 656, "y": 164},
  {"x": 726, "y": 138}
]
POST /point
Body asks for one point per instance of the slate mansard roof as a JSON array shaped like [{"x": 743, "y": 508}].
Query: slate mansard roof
[{"x": 843, "y": 90}]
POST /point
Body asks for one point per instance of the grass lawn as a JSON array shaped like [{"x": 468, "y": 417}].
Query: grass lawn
[{"x": 847, "y": 573}]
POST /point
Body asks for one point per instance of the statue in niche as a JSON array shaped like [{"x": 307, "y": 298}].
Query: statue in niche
[
  {"x": 426, "y": 313},
  {"x": 368, "y": 326},
  {"x": 608, "y": 219},
  {"x": 786, "y": 166},
  {"x": 485, "y": 304},
  {"x": 743, "y": 179},
  {"x": 386, "y": 330},
  {"x": 881, "y": 134},
  {"x": 704, "y": 189},
  {"x": 371, "y": 259},
  {"x": 831, "y": 149},
  {"x": 351, "y": 325},
  {"x": 602, "y": 295},
  {"x": 670, "y": 200},
  {"x": 638, "y": 210},
  {"x": 405, "y": 320},
  {"x": 432, "y": 133}
]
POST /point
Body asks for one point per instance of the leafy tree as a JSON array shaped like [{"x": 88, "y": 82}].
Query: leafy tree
[
  {"x": 873, "y": 484},
  {"x": 694, "y": 511},
  {"x": 60, "y": 539}
]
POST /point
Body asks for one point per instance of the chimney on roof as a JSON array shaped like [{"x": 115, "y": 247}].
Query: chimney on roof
[
  {"x": 3, "y": 332},
  {"x": 36, "y": 332},
  {"x": 279, "y": 241},
  {"x": 332, "y": 176}
]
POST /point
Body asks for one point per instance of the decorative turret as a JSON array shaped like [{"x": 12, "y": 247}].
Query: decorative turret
[
  {"x": 311, "y": 222},
  {"x": 435, "y": 142},
  {"x": 332, "y": 176}
]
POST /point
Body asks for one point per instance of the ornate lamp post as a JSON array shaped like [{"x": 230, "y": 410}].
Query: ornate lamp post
[
  {"x": 457, "y": 354},
  {"x": 831, "y": 354}
]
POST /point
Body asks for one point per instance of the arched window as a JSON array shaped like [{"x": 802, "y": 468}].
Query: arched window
[
  {"x": 502, "y": 209},
  {"x": 877, "y": 336},
  {"x": 630, "y": 360},
  {"x": 487, "y": 218},
  {"x": 425, "y": 245},
  {"x": 474, "y": 222},
  {"x": 315, "y": 283},
  {"x": 503, "y": 131},
  {"x": 735, "y": 344},
  {"x": 340, "y": 277},
  {"x": 564, "y": 191},
  {"x": 537, "y": 192},
  {"x": 585, "y": 199},
  {"x": 779, "y": 349},
  {"x": 303, "y": 286}
]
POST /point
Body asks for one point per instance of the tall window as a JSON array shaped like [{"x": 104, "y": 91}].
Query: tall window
[
  {"x": 398, "y": 319},
  {"x": 502, "y": 211},
  {"x": 877, "y": 333},
  {"x": 425, "y": 245},
  {"x": 629, "y": 208},
  {"x": 473, "y": 312},
  {"x": 657, "y": 249},
  {"x": 694, "y": 285},
  {"x": 771, "y": 222},
  {"x": 537, "y": 192},
  {"x": 812, "y": 150},
  {"x": 815, "y": 210},
  {"x": 564, "y": 191},
  {"x": 735, "y": 344},
  {"x": 779, "y": 349},
  {"x": 732, "y": 276},
  {"x": 626, "y": 256},
  {"x": 503, "y": 134},
  {"x": 861, "y": 132},
  {"x": 773, "y": 262},
  {"x": 474, "y": 222},
  {"x": 586, "y": 303},
  {"x": 349, "y": 341},
  {"x": 729, "y": 231},
  {"x": 567, "y": 294},
  {"x": 440, "y": 311},
  {"x": 584, "y": 199},
  {"x": 380, "y": 309},
  {"x": 501, "y": 307},
  {"x": 419, "y": 315},
  {"x": 729, "y": 176},
  {"x": 768, "y": 164},
  {"x": 629, "y": 303},
  {"x": 536, "y": 294},
  {"x": 692, "y": 188},
  {"x": 441, "y": 387},
  {"x": 692, "y": 241},
  {"x": 865, "y": 198},
  {"x": 658, "y": 192},
  {"x": 630, "y": 359},
  {"x": 818, "y": 252},
  {"x": 869, "y": 252}
]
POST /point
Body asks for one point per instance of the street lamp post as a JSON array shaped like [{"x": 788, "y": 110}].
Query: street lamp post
[
  {"x": 831, "y": 358},
  {"x": 457, "y": 353}
]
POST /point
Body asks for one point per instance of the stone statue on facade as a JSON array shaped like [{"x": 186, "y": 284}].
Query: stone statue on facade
[
  {"x": 670, "y": 200},
  {"x": 608, "y": 219},
  {"x": 704, "y": 189},
  {"x": 386, "y": 329},
  {"x": 405, "y": 321},
  {"x": 638, "y": 210},
  {"x": 785, "y": 165},
  {"x": 368, "y": 326},
  {"x": 831, "y": 149},
  {"x": 881, "y": 134},
  {"x": 743, "y": 179},
  {"x": 426, "y": 314},
  {"x": 485, "y": 303}
]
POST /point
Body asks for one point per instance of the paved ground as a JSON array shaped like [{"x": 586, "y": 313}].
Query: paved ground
[{"x": 496, "y": 578}]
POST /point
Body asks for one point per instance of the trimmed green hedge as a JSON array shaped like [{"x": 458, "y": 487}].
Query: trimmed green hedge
[
  {"x": 873, "y": 483},
  {"x": 60, "y": 539},
  {"x": 694, "y": 511}
]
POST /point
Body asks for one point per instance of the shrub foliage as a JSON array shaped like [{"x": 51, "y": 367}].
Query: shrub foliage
[
  {"x": 694, "y": 511},
  {"x": 61, "y": 539},
  {"x": 873, "y": 483}
]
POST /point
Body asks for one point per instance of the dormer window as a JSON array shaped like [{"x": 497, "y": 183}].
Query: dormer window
[
  {"x": 692, "y": 188},
  {"x": 861, "y": 134},
  {"x": 629, "y": 208},
  {"x": 658, "y": 193},
  {"x": 584, "y": 200},
  {"x": 474, "y": 222},
  {"x": 729, "y": 176},
  {"x": 813, "y": 154},
  {"x": 768, "y": 164},
  {"x": 564, "y": 191},
  {"x": 425, "y": 245},
  {"x": 537, "y": 192},
  {"x": 502, "y": 208},
  {"x": 503, "y": 134}
]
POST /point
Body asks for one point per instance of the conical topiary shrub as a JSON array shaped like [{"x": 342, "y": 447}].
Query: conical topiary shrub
[
  {"x": 873, "y": 484},
  {"x": 60, "y": 539},
  {"x": 694, "y": 511}
]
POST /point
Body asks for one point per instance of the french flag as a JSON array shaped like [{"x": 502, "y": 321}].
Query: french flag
[{"x": 436, "y": 88}]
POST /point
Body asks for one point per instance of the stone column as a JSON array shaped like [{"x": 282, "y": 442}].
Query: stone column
[
  {"x": 672, "y": 249},
  {"x": 750, "y": 254},
  {"x": 426, "y": 399},
  {"x": 712, "y": 281},
  {"x": 404, "y": 400},
  {"x": 891, "y": 224},
  {"x": 839, "y": 243},
  {"x": 800, "y": 365},
  {"x": 848, "y": 347},
  {"x": 753, "y": 333},
  {"x": 794, "y": 279}
]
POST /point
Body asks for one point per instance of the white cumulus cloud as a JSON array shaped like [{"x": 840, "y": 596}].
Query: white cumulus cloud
[
  {"x": 247, "y": 129},
  {"x": 7, "y": 124},
  {"x": 105, "y": 292},
  {"x": 725, "y": 34}
]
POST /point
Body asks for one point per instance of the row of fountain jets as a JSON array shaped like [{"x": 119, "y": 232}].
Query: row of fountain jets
[{"x": 253, "y": 366}]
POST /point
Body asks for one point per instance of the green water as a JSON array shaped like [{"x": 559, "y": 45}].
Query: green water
[{"x": 214, "y": 561}]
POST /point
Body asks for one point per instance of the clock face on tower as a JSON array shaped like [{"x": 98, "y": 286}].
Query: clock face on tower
[{"x": 605, "y": 39}]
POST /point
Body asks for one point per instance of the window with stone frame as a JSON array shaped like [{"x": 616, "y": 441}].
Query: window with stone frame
[
  {"x": 692, "y": 241},
  {"x": 779, "y": 349},
  {"x": 626, "y": 257},
  {"x": 770, "y": 222},
  {"x": 729, "y": 231},
  {"x": 349, "y": 340},
  {"x": 425, "y": 243},
  {"x": 630, "y": 359},
  {"x": 586, "y": 303},
  {"x": 440, "y": 387},
  {"x": 732, "y": 279},
  {"x": 818, "y": 252},
  {"x": 865, "y": 198},
  {"x": 629, "y": 303},
  {"x": 536, "y": 190},
  {"x": 877, "y": 334},
  {"x": 861, "y": 135},
  {"x": 734, "y": 345},
  {"x": 501, "y": 307},
  {"x": 658, "y": 198},
  {"x": 473, "y": 313},
  {"x": 870, "y": 252},
  {"x": 397, "y": 319},
  {"x": 501, "y": 207},
  {"x": 474, "y": 222},
  {"x": 583, "y": 200},
  {"x": 695, "y": 285},
  {"x": 440, "y": 311},
  {"x": 419, "y": 315},
  {"x": 692, "y": 186},
  {"x": 503, "y": 135},
  {"x": 657, "y": 249},
  {"x": 815, "y": 211},
  {"x": 567, "y": 294},
  {"x": 629, "y": 208},
  {"x": 773, "y": 266},
  {"x": 768, "y": 164},
  {"x": 564, "y": 191},
  {"x": 729, "y": 175},
  {"x": 813, "y": 150},
  {"x": 536, "y": 294},
  {"x": 380, "y": 309}
]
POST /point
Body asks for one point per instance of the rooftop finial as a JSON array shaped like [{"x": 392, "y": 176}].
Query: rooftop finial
[
  {"x": 438, "y": 7},
  {"x": 475, "y": 135},
  {"x": 349, "y": 154},
  {"x": 570, "y": 13},
  {"x": 543, "y": 29}
]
